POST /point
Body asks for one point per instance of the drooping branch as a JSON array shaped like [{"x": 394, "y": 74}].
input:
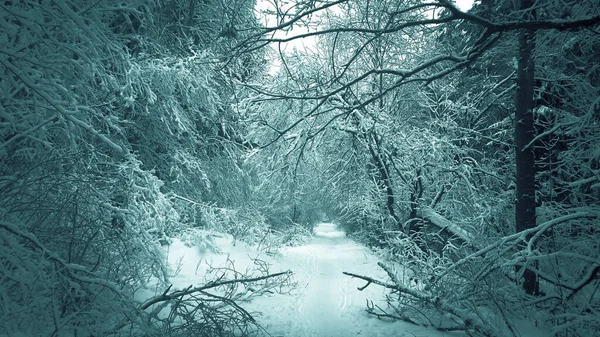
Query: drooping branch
[
  {"x": 73, "y": 270},
  {"x": 514, "y": 238},
  {"x": 442, "y": 223},
  {"x": 58, "y": 106}
]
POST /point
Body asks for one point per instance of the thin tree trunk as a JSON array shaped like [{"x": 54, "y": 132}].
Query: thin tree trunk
[
  {"x": 383, "y": 177},
  {"x": 414, "y": 224},
  {"x": 524, "y": 134}
]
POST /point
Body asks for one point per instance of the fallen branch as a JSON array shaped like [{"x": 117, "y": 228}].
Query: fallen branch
[
  {"x": 177, "y": 297},
  {"x": 188, "y": 291},
  {"x": 471, "y": 322},
  {"x": 372, "y": 309}
]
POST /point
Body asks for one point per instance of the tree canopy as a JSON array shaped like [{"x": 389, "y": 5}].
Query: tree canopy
[{"x": 463, "y": 145}]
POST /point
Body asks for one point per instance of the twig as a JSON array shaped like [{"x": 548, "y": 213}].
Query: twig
[
  {"x": 362, "y": 288},
  {"x": 232, "y": 303},
  {"x": 592, "y": 275}
]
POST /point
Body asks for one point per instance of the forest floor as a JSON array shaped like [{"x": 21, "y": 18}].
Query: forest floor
[{"x": 325, "y": 303}]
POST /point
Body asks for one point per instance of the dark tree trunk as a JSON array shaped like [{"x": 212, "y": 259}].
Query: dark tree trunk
[
  {"x": 524, "y": 134},
  {"x": 384, "y": 177},
  {"x": 414, "y": 223}
]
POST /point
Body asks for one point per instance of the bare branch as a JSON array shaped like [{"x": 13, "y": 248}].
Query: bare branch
[
  {"x": 189, "y": 290},
  {"x": 470, "y": 320}
]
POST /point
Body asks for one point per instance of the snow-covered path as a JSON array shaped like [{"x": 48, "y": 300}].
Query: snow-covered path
[{"x": 326, "y": 302}]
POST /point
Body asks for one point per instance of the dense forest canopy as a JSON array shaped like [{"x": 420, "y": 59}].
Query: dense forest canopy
[{"x": 464, "y": 145}]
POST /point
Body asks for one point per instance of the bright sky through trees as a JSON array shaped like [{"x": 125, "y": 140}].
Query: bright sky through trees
[
  {"x": 464, "y": 5},
  {"x": 308, "y": 43}
]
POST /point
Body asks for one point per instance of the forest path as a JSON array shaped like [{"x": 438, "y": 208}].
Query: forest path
[
  {"x": 327, "y": 303},
  {"x": 325, "y": 292}
]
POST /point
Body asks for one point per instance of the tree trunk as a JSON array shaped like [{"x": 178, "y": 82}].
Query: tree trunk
[
  {"x": 384, "y": 178},
  {"x": 414, "y": 223},
  {"x": 524, "y": 134}
]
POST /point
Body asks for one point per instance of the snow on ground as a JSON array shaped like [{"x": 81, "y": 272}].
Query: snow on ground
[{"x": 326, "y": 302}]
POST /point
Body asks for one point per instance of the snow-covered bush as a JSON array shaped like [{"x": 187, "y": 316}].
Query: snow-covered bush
[
  {"x": 200, "y": 238},
  {"x": 83, "y": 197},
  {"x": 75, "y": 246}
]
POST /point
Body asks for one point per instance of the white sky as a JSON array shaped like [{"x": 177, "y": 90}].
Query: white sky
[{"x": 464, "y": 5}]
